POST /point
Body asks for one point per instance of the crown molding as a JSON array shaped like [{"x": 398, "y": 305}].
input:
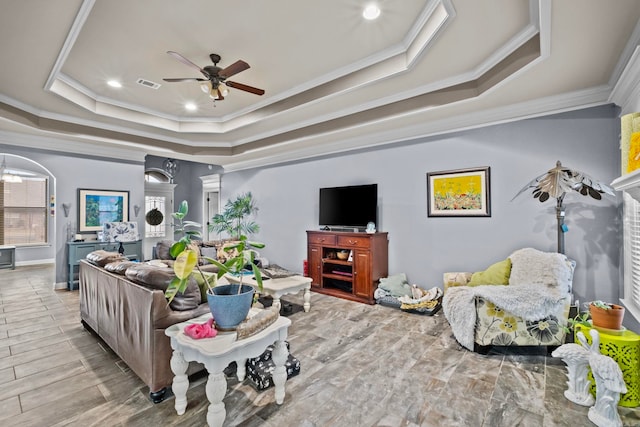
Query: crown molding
[
  {"x": 542, "y": 107},
  {"x": 89, "y": 148}
]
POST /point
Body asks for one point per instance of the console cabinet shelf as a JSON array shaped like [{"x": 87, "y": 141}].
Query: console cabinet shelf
[
  {"x": 355, "y": 278},
  {"x": 77, "y": 251}
]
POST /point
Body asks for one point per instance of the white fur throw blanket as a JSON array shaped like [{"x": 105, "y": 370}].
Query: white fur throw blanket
[{"x": 538, "y": 284}]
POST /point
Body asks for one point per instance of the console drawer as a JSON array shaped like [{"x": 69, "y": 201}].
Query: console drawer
[
  {"x": 353, "y": 242},
  {"x": 322, "y": 239}
]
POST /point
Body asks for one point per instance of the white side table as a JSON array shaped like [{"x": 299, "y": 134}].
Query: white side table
[
  {"x": 276, "y": 288},
  {"x": 216, "y": 354}
]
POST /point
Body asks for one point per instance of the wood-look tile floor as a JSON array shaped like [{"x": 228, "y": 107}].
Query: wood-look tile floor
[{"x": 361, "y": 366}]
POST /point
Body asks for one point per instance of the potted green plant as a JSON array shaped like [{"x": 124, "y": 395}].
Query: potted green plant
[
  {"x": 229, "y": 304},
  {"x": 606, "y": 315},
  {"x": 235, "y": 218}
]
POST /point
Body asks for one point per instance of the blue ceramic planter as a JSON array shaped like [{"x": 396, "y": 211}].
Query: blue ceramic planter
[{"x": 228, "y": 307}]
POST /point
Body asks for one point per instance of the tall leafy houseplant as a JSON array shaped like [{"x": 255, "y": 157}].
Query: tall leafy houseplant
[{"x": 235, "y": 218}]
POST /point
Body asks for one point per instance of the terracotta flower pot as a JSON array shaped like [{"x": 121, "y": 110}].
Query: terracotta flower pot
[{"x": 609, "y": 319}]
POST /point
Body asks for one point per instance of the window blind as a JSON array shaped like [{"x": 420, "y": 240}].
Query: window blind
[
  {"x": 632, "y": 247},
  {"x": 23, "y": 212}
]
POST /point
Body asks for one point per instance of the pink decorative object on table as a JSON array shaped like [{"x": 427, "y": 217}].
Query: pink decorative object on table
[{"x": 201, "y": 330}]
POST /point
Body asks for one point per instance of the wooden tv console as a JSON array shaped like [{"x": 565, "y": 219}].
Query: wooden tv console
[{"x": 355, "y": 278}]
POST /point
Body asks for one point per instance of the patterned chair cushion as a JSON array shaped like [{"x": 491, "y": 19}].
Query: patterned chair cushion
[{"x": 495, "y": 326}]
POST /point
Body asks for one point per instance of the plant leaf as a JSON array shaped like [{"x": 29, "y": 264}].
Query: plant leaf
[
  {"x": 183, "y": 208},
  {"x": 177, "y": 248},
  {"x": 176, "y": 285},
  {"x": 258, "y": 276},
  {"x": 185, "y": 263}
]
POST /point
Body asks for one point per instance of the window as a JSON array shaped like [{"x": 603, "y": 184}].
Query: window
[
  {"x": 155, "y": 205},
  {"x": 23, "y": 212},
  {"x": 631, "y": 227}
]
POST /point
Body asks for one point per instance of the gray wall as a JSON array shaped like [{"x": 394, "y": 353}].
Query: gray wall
[
  {"x": 423, "y": 247},
  {"x": 188, "y": 183},
  {"x": 69, "y": 174}
]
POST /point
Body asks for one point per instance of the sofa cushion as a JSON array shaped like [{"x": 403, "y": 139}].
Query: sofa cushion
[
  {"x": 162, "y": 249},
  {"x": 496, "y": 274},
  {"x": 119, "y": 267},
  {"x": 102, "y": 257},
  {"x": 159, "y": 278}
]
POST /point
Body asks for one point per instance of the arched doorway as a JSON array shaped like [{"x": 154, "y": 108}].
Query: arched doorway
[{"x": 159, "y": 204}]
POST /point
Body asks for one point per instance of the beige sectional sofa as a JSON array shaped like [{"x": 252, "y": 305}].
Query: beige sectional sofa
[{"x": 131, "y": 317}]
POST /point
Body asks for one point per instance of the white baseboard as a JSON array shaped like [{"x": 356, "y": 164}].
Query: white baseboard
[
  {"x": 35, "y": 262},
  {"x": 60, "y": 285}
]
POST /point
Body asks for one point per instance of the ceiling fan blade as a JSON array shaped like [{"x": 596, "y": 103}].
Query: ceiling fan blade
[
  {"x": 187, "y": 62},
  {"x": 246, "y": 88},
  {"x": 232, "y": 69},
  {"x": 186, "y": 79},
  {"x": 220, "y": 97}
]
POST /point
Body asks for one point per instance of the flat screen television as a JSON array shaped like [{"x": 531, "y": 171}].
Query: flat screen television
[{"x": 350, "y": 207}]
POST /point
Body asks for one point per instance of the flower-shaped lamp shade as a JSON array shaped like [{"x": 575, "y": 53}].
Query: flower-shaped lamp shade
[{"x": 557, "y": 183}]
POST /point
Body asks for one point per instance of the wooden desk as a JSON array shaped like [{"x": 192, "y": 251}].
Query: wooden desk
[{"x": 216, "y": 354}]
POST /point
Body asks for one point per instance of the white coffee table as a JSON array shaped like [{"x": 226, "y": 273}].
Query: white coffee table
[
  {"x": 279, "y": 287},
  {"x": 216, "y": 354}
]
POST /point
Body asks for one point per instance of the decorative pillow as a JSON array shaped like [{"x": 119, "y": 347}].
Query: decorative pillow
[
  {"x": 223, "y": 255},
  {"x": 159, "y": 278},
  {"x": 458, "y": 278},
  {"x": 209, "y": 252},
  {"x": 162, "y": 249},
  {"x": 396, "y": 285},
  {"x": 531, "y": 266},
  {"x": 102, "y": 257},
  {"x": 211, "y": 277},
  {"x": 119, "y": 267},
  {"x": 496, "y": 274}
]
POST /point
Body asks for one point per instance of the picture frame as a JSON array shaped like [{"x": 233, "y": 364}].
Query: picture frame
[
  {"x": 459, "y": 193},
  {"x": 95, "y": 207}
]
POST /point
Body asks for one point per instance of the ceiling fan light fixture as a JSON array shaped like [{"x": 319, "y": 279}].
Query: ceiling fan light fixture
[
  {"x": 224, "y": 90},
  {"x": 371, "y": 12},
  {"x": 205, "y": 87}
]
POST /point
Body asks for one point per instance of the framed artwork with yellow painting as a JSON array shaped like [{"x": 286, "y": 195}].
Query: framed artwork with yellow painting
[{"x": 460, "y": 192}]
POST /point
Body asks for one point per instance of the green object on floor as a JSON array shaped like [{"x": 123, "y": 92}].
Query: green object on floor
[{"x": 624, "y": 348}]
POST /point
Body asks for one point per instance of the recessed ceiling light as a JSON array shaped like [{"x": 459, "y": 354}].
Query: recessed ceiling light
[
  {"x": 371, "y": 12},
  {"x": 114, "y": 83},
  {"x": 190, "y": 106}
]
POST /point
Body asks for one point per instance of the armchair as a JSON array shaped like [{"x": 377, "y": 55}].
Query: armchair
[{"x": 531, "y": 310}]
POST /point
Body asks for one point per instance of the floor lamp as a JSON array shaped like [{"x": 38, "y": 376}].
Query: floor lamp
[{"x": 559, "y": 181}]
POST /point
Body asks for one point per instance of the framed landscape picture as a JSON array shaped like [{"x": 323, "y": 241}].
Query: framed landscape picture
[
  {"x": 460, "y": 192},
  {"x": 95, "y": 207}
]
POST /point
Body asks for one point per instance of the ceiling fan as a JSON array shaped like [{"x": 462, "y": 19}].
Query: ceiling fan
[{"x": 216, "y": 77}]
